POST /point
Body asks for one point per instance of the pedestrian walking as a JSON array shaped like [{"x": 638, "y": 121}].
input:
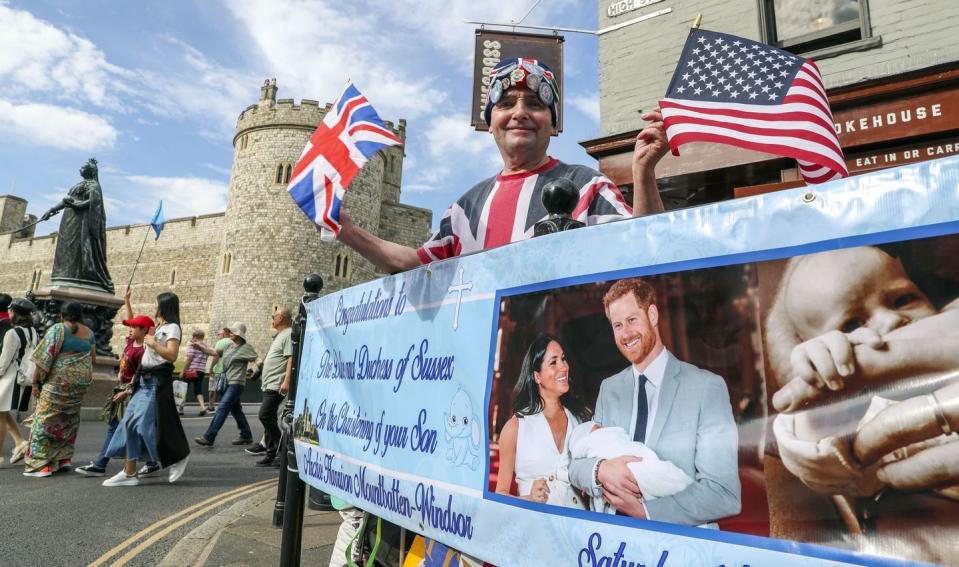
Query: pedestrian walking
[
  {"x": 235, "y": 363},
  {"x": 150, "y": 428},
  {"x": 115, "y": 407},
  {"x": 273, "y": 378},
  {"x": 16, "y": 375},
  {"x": 64, "y": 370},
  {"x": 217, "y": 383},
  {"x": 194, "y": 369}
]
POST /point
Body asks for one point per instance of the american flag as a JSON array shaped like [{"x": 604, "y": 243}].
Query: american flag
[
  {"x": 349, "y": 135},
  {"x": 735, "y": 91}
]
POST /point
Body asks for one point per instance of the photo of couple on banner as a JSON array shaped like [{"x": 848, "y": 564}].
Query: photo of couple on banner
[{"x": 805, "y": 398}]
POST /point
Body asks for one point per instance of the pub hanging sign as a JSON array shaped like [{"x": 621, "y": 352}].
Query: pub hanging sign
[{"x": 494, "y": 46}]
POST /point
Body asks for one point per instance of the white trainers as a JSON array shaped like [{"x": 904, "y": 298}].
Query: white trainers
[
  {"x": 18, "y": 452},
  {"x": 121, "y": 479},
  {"x": 177, "y": 469}
]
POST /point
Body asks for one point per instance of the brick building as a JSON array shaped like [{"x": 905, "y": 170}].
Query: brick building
[
  {"x": 891, "y": 69},
  {"x": 238, "y": 264}
]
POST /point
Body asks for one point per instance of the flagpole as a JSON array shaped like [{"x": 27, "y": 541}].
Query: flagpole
[
  {"x": 135, "y": 264},
  {"x": 698, "y": 21}
]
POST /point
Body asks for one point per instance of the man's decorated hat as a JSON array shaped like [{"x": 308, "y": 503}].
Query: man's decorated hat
[{"x": 522, "y": 72}]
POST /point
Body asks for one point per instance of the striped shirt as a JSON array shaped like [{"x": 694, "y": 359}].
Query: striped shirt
[
  {"x": 198, "y": 362},
  {"x": 504, "y": 209}
]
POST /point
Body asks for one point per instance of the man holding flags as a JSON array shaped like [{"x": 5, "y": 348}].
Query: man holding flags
[{"x": 521, "y": 114}]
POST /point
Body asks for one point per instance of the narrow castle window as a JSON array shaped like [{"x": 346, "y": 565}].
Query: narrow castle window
[
  {"x": 289, "y": 171},
  {"x": 173, "y": 276},
  {"x": 227, "y": 261},
  {"x": 336, "y": 270},
  {"x": 279, "y": 174},
  {"x": 346, "y": 267}
]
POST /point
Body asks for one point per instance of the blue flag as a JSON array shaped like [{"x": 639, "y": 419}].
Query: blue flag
[{"x": 157, "y": 222}]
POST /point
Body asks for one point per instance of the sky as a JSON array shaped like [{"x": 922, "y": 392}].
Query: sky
[{"x": 153, "y": 90}]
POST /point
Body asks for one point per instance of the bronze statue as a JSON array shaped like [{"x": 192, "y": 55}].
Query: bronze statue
[{"x": 81, "y": 256}]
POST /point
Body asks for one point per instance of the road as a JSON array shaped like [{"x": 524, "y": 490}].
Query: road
[{"x": 70, "y": 519}]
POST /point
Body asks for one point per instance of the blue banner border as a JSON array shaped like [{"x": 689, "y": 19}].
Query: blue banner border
[{"x": 772, "y": 544}]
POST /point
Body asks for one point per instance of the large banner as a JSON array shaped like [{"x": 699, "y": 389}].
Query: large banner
[{"x": 764, "y": 382}]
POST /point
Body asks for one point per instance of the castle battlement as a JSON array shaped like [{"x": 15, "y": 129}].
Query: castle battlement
[{"x": 270, "y": 112}]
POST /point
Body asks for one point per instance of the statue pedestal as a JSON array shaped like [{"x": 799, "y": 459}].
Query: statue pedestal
[{"x": 99, "y": 310}]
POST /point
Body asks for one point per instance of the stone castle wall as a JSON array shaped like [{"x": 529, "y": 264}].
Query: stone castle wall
[
  {"x": 183, "y": 261},
  {"x": 240, "y": 264}
]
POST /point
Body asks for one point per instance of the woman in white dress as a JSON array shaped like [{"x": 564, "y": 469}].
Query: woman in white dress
[
  {"x": 534, "y": 443},
  {"x": 18, "y": 345}
]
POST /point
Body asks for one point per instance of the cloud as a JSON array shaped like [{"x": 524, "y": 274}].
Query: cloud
[
  {"x": 452, "y": 147},
  {"x": 182, "y": 196},
  {"x": 343, "y": 42},
  {"x": 56, "y": 126},
  {"x": 587, "y": 105},
  {"x": 195, "y": 87},
  {"x": 43, "y": 63},
  {"x": 451, "y": 135},
  {"x": 442, "y": 22},
  {"x": 38, "y": 57}
]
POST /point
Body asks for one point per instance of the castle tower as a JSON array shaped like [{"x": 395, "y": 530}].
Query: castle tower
[
  {"x": 12, "y": 212},
  {"x": 268, "y": 244}
]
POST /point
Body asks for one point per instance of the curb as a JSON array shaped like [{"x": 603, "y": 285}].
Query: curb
[{"x": 195, "y": 547}]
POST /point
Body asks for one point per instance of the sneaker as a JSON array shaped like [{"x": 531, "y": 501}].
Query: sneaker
[
  {"x": 90, "y": 470},
  {"x": 177, "y": 469},
  {"x": 202, "y": 412},
  {"x": 39, "y": 473},
  {"x": 268, "y": 461},
  {"x": 121, "y": 479},
  {"x": 201, "y": 440},
  {"x": 255, "y": 449},
  {"x": 18, "y": 452},
  {"x": 242, "y": 441},
  {"x": 64, "y": 465},
  {"x": 148, "y": 469}
]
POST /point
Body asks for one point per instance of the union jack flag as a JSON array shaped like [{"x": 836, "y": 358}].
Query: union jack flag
[
  {"x": 735, "y": 91},
  {"x": 349, "y": 135}
]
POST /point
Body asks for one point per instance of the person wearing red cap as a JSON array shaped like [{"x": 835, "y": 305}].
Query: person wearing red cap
[{"x": 139, "y": 326}]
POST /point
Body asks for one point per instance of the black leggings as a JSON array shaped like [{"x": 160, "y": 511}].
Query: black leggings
[{"x": 196, "y": 385}]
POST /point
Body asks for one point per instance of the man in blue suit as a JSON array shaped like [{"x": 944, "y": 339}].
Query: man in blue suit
[{"x": 678, "y": 410}]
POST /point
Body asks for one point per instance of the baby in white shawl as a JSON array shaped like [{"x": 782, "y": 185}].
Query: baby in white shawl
[{"x": 654, "y": 476}]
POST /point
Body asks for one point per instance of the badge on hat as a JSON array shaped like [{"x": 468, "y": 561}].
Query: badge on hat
[
  {"x": 546, "y": 94},
  {"x": 496, "y": 92},
  {"x": 533, "y": 82}
]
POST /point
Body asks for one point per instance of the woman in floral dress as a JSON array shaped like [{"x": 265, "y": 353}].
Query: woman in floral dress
[{"x": 64, "y": 360}]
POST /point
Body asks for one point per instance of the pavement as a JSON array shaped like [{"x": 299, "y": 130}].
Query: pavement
[
  {"x": 243, "y": 534},
  {"x": 219, "y": 513}
]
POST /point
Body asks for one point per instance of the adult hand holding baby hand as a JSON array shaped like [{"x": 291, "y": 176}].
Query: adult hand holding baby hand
[
  {"x": 913, "y": 431},
  {"x": 821, "y": 364},
  {"x": 539, "y": 492}
]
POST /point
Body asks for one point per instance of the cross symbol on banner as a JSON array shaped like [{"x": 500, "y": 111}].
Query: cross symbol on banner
[{"x": 459, "y": 288}]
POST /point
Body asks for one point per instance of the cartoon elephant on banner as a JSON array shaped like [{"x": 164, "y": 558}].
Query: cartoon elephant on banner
[{"x": 463, "y": 431}]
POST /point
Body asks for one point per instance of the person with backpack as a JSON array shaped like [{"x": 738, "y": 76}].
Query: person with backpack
[{"x": 16, "y": 374}]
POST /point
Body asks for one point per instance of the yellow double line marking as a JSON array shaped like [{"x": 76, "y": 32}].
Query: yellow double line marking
[{"x": 156, "y": 531}]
